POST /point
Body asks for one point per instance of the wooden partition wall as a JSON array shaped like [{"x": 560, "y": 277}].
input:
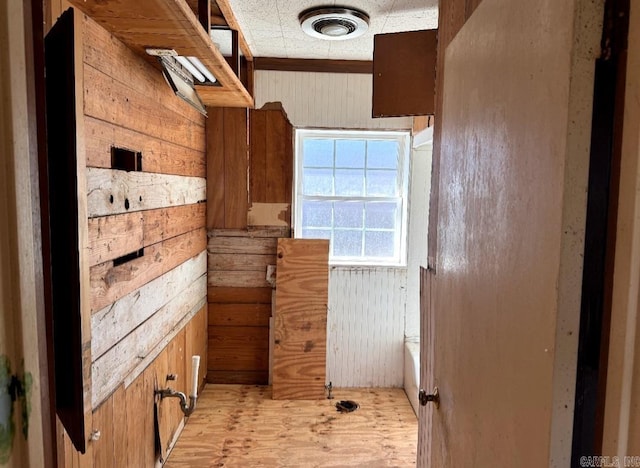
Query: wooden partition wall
[
  {"x": 250, "y": 171},
  {"x": 143, "y": 151}
]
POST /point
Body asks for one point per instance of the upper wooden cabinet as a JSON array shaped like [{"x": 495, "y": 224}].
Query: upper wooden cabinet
[
  {"x": 404, "y": 73},
  {"x": 170, "y": 24}
]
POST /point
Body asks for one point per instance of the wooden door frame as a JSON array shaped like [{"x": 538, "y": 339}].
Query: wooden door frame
[
  {"x": 23, "y": 125},
  {"x": 621, "y": 408},
  {"x": 600, "y": 233}
]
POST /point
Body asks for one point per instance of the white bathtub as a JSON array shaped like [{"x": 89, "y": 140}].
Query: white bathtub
[{"x": 412, "y": 372}]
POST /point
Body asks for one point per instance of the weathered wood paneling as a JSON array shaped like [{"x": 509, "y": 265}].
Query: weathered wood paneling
[
  {"x": 116, "y": 321},
  {"x": 110, "y": 369},
  {"x": 238, "y": 279},
  {"x": 172, "y": 360},
  {"x": 246, "y": 262},
  {"x": 114, "y": 102},
  {"x": 240, "y": 304},
  {"x": 236, "y": 154},
  {"x": 240, "y": 295},
  {"x": 130, "y": 409},
  {"x": 215, "y": 169},
  {"x": 139, "y": 425},
  {"x": 242, "y": 245},
  {"x": 239, "y": 348},
  {"x": 113, "y": 191},
  {"x": 251, "y": 232},
  {"x": 271, "y": 161},
  {"x": 300, "y": 335},
  {"x": 109, "y": 283},
  {"x": 146, "y": 24},
  {"x": 160, "y": 347},
  {"x": 249, "y": 315},
  {"x": 110, "y": 56},
  {"x": 196, "y": 343},
  {"x": 149, "y": 314},
  {"x": 157, "y": 155},
  {"x": 113, "y": 236},
  {"x": 228, "y": 159}
]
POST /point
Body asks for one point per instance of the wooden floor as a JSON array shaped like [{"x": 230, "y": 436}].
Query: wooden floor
[{"x": 241, "y": 426}]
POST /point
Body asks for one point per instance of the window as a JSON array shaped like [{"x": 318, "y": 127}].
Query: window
[{"x": 351, "y": 188}]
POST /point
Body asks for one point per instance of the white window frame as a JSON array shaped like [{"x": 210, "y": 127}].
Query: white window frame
[{"x": 404, "y": 140}]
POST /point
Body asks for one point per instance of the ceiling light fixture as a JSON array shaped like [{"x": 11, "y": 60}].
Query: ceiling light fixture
[{"x": 334, "y": 23}]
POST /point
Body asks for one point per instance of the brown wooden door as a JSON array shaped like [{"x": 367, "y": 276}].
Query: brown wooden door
[{"x": 502, "y": 308}]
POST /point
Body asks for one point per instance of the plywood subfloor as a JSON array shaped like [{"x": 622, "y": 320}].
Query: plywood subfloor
[{"x": 241, "y": 426}]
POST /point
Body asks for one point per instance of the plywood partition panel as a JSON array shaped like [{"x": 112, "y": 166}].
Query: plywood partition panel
[{"x": 300, "y": 335}]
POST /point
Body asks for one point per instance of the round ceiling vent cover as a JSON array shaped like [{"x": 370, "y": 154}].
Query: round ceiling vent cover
[{"x": 334, "y": 23}]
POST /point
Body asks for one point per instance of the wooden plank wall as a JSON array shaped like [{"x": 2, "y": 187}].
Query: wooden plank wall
[
  {"x": 148, "y": 314},
  {"x": 227, "y": 166},
  {"x": 271, "y": 155},
  {"x": 244, "y": 221},
  {"x": 239, "y": 297}
]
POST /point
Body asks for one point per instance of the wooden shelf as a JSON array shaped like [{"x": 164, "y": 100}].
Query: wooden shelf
[{"x": 169, "y": 24}]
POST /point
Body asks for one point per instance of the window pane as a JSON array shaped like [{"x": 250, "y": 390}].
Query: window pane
[
  {"x": 350, "y": 153},
  {"x": 351, "y": 193},
  {"x": 316, "y": 234},
  {"x": 382, "y": 154},
  {"x": 348, "y": 214},
  {"x": 350, "y": 182},
  {"x": 381, "y": 183},
  {"x": 317, "y": 182},
  {"x": 380, "y": 216},
  {"x": 316, "y": 214},
  {"x": 347, "y": 243},
  {"x": 318, "y": 153},
  {"x": 379, "y": 244}
]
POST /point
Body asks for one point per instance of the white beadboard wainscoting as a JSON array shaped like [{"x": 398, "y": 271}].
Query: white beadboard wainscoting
[
  {"x": 365, "y": 326},
  {"x": 323, "y": 100}
]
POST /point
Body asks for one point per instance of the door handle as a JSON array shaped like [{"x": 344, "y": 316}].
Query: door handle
[{"x": 425, "y": 398}]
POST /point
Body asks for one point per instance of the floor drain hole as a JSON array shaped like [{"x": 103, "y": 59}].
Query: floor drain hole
[{"x": 347, "y": 406}]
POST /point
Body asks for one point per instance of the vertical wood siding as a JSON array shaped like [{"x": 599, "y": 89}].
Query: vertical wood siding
[
  {"x": 330, "y": 100},
  {"x": 365, "y": 327}
]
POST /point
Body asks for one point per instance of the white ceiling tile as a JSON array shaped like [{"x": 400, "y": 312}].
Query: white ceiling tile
[
  {"x": 408, "y": 23},
  {"x": 409, "y": 6},
  {"x": 272, "y": 27}
]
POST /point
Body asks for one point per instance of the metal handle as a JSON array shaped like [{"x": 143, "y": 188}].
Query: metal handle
[{"x": 425, "y": 398}]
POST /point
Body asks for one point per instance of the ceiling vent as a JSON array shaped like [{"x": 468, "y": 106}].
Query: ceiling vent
[{"x": 334, "y": 23}]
